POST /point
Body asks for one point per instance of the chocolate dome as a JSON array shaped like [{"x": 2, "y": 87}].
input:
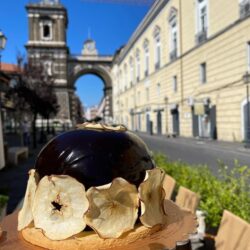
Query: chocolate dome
[{"x": 96, "y": 157}]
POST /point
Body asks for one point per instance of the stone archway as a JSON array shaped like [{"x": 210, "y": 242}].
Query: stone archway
[
  {"x": 63, "y": 66},
  {"x": 99, "y": 66}
]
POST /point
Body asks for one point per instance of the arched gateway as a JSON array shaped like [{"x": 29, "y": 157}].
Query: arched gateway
[{"x": 48, "y": 23}]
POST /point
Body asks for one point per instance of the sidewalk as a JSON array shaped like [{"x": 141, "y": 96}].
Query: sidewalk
[
  {"x": 13, "y": 179},
  {"x": 203, "y": 142}
]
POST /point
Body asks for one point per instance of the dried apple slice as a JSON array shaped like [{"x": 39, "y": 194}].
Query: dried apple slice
[
  {"x": 112, "y": 210},
  {"x": 100, "y": 126},
  {"x": 152, "y": 195},
  {"x": 59, "y": 205},
  {"x": 25, "y": 216}
]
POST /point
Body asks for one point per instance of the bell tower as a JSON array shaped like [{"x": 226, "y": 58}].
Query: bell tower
[{"x": 47, "y": 44}]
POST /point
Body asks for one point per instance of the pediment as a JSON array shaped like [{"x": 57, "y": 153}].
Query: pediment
[{"x": 172, "y": 14}]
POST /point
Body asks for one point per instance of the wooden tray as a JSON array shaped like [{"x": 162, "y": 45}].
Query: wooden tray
[{"x": 174, "y": 235}]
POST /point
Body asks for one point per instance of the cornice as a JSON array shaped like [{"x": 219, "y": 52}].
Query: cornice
[{"x": 147, "y": 20}]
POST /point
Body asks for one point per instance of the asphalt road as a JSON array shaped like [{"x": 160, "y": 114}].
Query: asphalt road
[{"x": 195, "y": 151}]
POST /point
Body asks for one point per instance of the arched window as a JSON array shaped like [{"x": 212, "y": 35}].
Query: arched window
[
  {"x": 131, "y": 64},
  {"x": 157, "y": 39},
  {"x": 202, "y": 20},
  {"x": 121, "y": 81},
  {"x": 173, "y": 34},
  {"x": 138, "y": 65},
  {"x": 125, "y": 76},
  {"x": 146, "y": 53},
  {"x": 46, "y": 30}
]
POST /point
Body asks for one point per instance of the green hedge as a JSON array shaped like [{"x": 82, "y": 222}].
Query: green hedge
[
  {"x": 3, "y": 200},
  {"x": 229, "y": 189}
]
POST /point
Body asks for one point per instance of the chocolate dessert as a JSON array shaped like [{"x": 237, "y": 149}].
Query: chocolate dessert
[{"x": 97, "y": 176}]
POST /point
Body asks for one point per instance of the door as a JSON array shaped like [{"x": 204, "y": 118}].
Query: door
[
  {"x": 148, "y": 123},
  {"x": 132, "y": 123},
  {"x": 139, "y": 122},
  {"x": 195, "y": 125},
  {"x": 176, "y": 126},
  {"x": 246, "y": 122},
  {"x": 204, "y": 126},
  {"x": 159, "y": 123},
  {"x": 213, "y": 130}
]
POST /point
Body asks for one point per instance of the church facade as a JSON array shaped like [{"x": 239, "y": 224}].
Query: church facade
[{"x": 185, "y": 69}]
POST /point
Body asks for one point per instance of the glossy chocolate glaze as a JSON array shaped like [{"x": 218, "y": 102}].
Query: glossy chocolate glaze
[{"x": 96, "y": 157}]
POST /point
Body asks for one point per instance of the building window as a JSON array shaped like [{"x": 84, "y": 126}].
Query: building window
[
  {"x": 158, "y": 89},
  {"x": 157, "y": 47},
  {"x": 133, "y": 100},
  {"x": 46, "y": 30},
  {"x": 173, "y": 33},
  {"x": 138, "y": 66},
  {"x": 131, "y": 62},
  {"x": 139, "y": 97},
  {"x": 146, "y": 53},
  {"x": 118, "y": 84},
  {"x": 147, "y": 94},
  {"x": 248, "y": 56},
  {"x": 173, "y": 44},
  {"x": 202, "y": 21},
  {"x": 126, "y": 76},
  {"x": 121, "y": 81},
  {"x": 244, "y": 8},
  {"x": 203, "y": 73},
  {"x": 175, "y": 86}
]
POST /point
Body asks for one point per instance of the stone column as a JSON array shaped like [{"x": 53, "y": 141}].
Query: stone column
[
  {"x": 63, "y": 99},
  {"x": 108, "y": 110}
]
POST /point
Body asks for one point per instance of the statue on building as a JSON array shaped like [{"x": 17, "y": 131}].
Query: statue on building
[{"x": 89, "y": 48}]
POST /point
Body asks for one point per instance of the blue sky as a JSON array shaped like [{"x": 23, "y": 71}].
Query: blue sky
[{"x": 111, "y": 26}]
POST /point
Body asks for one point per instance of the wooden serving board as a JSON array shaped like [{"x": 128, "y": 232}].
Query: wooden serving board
[{"x": 174, "y": 235}]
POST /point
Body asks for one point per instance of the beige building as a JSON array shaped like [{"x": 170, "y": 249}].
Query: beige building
[{"x": 181, "y": 72}]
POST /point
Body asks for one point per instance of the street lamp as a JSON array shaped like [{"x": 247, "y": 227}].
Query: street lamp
[
  {"x": 246, "y": 80},
  {"x": 3, "y": 40}
]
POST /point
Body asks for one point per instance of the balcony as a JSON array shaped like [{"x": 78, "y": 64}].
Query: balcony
[
  {"x": 244, "y": 9},
  {"x": 173, "y": 55},
  {"x": 201, "y": 36}
]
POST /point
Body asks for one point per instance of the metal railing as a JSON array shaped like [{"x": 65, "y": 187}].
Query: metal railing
[
  {"x": 201, "y": 36},
  {"x": 173, "y": 55},
  {"x": 157, "y": 65}
]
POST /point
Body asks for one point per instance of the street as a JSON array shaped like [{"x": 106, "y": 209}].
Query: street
[{"x": 197, "y": 151}]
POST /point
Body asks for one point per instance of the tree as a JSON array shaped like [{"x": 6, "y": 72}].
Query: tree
[
  {"x": 79, "y": 110},
  {"x": 35, "y": 91}
]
